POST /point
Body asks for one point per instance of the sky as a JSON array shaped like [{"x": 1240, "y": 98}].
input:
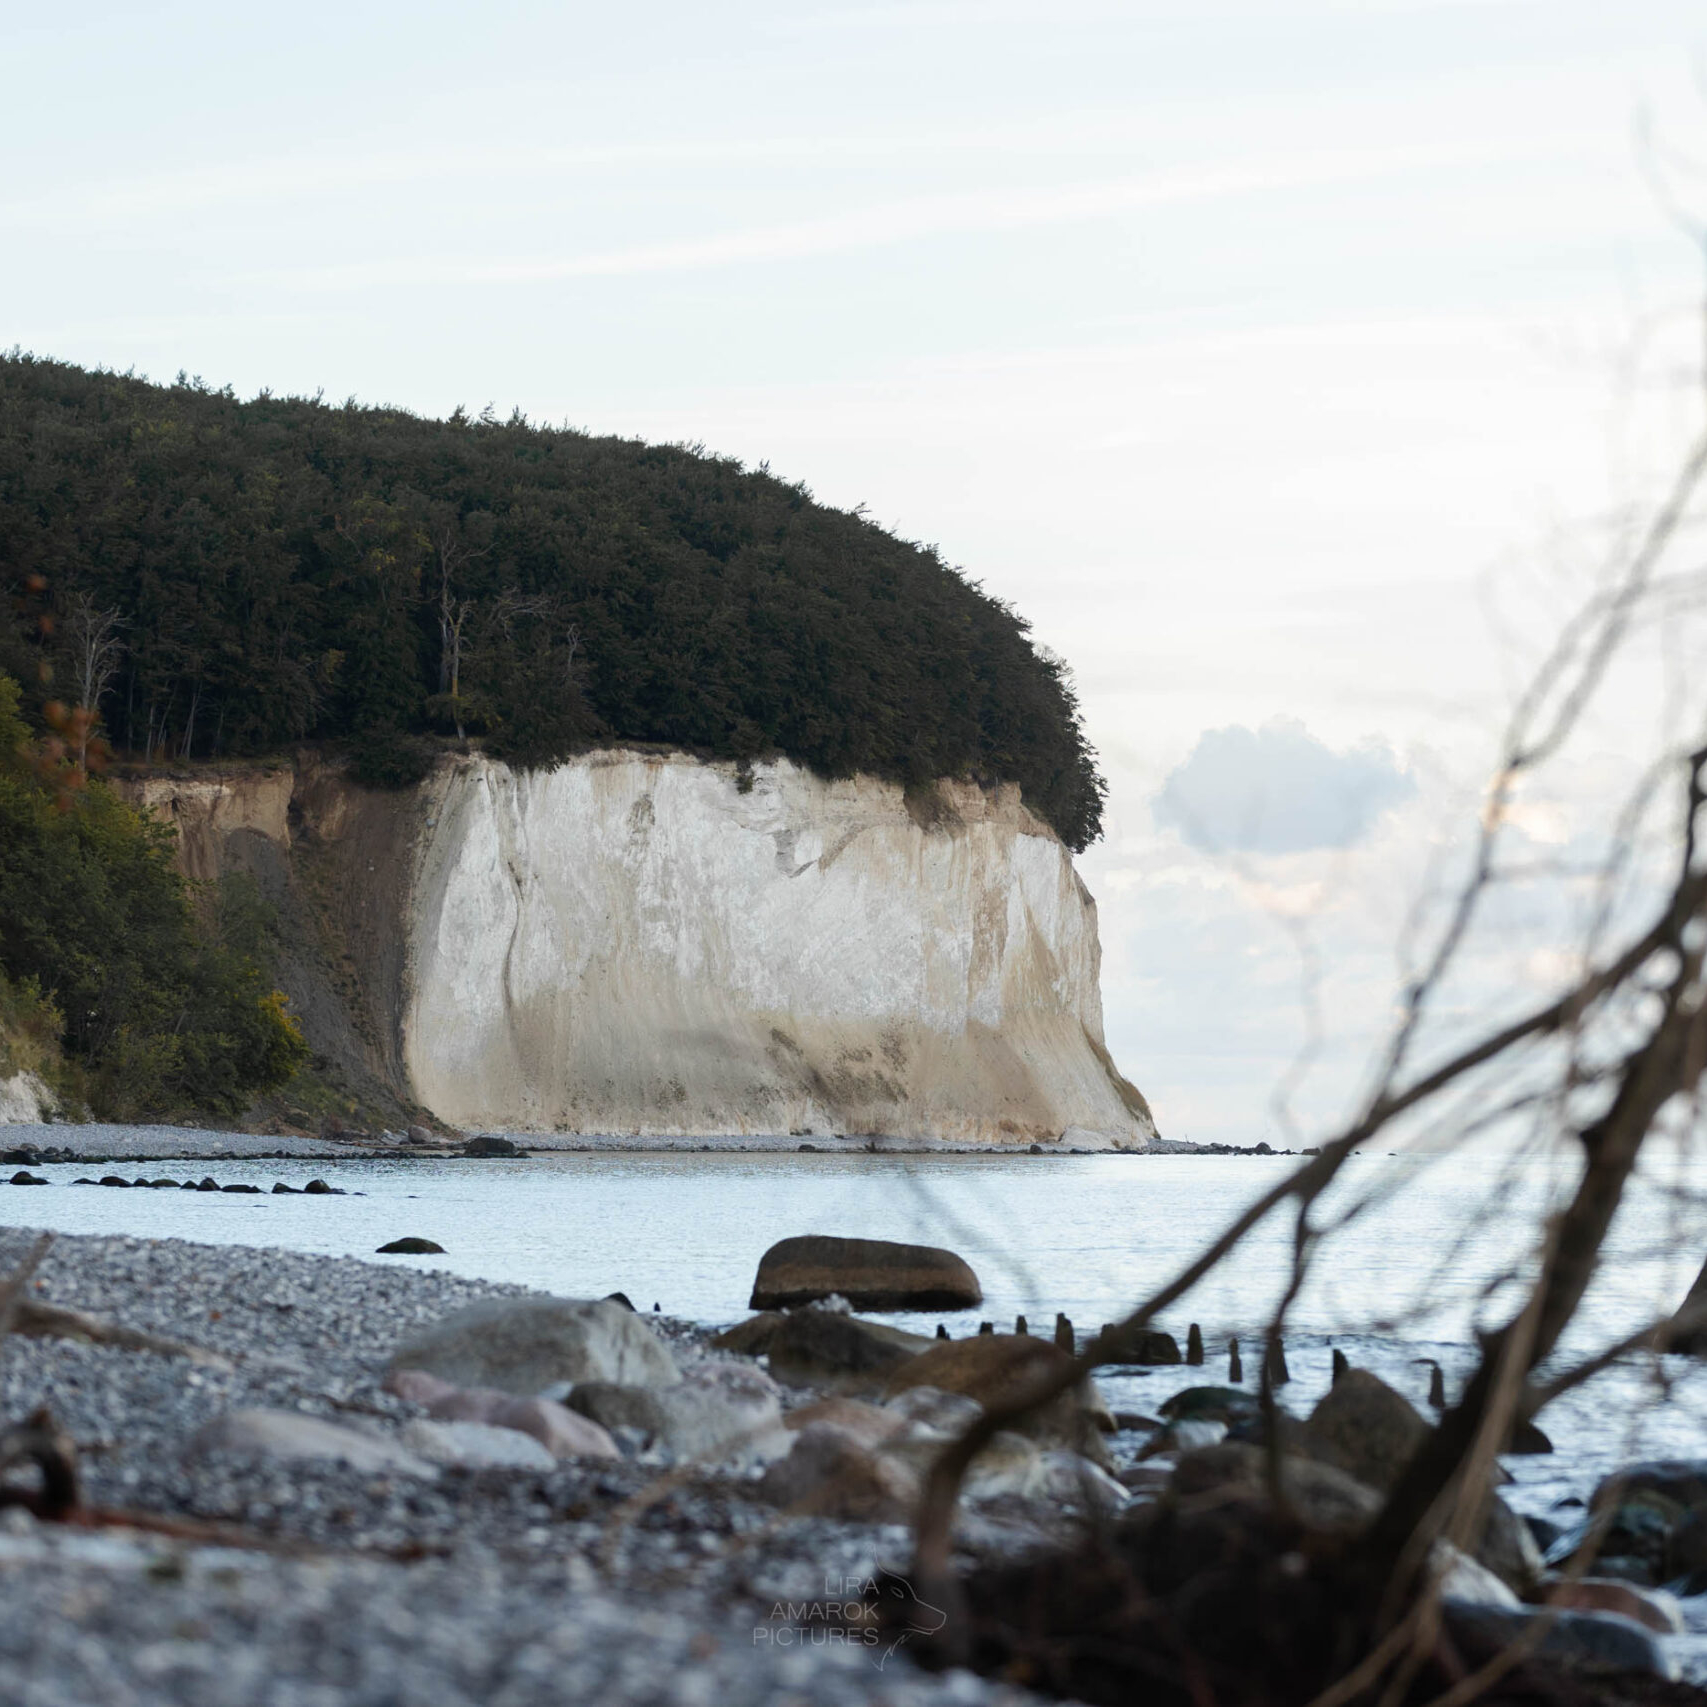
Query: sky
[{"x": 1281, "y": 362}]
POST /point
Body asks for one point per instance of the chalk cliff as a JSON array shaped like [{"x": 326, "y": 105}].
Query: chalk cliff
[{"x": 643, "y": 943}]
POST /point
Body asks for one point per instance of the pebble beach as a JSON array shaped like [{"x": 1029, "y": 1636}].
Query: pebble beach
[{"x": 363, "y": 1590}]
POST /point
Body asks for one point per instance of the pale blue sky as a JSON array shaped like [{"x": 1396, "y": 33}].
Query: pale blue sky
[{"x": 1238, "y": 344}]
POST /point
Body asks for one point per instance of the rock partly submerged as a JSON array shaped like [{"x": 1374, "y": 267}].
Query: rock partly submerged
[
  {"x": 809, "y": 1347},
  {"x": 871, "y": 1274},
  {"x": 999, "y": 1370}
]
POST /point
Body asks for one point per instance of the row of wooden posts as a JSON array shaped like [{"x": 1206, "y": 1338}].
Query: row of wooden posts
[{"x": 1274, "y": 1355}]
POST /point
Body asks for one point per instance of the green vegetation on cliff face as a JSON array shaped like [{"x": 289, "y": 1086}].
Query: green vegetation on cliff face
[
  {"x": 157, "y": 995},
  {"x": 220, "y": 578}
]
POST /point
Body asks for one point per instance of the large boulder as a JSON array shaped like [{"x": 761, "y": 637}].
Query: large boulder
[
  {"x": 1144, "y": 1347},
  {"x": 1365, "y": 1428},
  {"x": 289, "y": 1437},
  {"x": 1229, "y": 1405},
  {"x": 931, "y": 1407},
  {"x": 1070, "y": 1479},
  {"x": 828, "y": 1473},
  {"x": 524, "y": 1345},
  {"x": 823, "y": 1347},
  {"x": 715, "y": 1406},
  {"x": 868, "y": 1425},
  {"x": 872, "y": 1274},
  {"x": 1009, "y": 1465},
  {"x": 1326, "y": 1500},
  {"x": 1649, "y": 1522},
  {"x": 1002, "y": 1369},
  {"x": 1599, "y": 1638},
  {"x": 1682, "y": 1481},
  {"x": 1653, "y": 1610}
]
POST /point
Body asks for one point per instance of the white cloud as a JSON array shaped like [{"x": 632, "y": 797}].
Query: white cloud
[{"x": 1278, "y": 790}]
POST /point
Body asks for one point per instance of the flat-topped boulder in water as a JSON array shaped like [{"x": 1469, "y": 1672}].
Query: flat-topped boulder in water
[{"x": 871, "y": 1274}]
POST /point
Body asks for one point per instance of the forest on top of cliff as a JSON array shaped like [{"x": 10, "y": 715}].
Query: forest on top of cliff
[{"x": 216, "y": 577}]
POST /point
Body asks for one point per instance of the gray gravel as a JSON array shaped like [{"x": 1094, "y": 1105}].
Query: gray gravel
[
  {"x": 514, "y": 1587},
  {"x": 159, "y": 1143}
]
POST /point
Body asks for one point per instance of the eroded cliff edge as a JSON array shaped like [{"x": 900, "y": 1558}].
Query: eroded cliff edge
[{"x": 645, "y": 944}]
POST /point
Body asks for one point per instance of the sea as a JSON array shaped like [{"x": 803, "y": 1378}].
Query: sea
[{"x": 1408, "y": 1254}]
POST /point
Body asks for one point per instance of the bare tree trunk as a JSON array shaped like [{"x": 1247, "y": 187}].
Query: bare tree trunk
[
  {"x": 95, "y": 635},
  {"x": 190, "y": 723}
]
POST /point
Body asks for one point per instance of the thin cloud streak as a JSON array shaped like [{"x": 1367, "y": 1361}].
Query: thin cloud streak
[
  {"x": 248, "y": 182},
  {"x": 902, "y": 221}
]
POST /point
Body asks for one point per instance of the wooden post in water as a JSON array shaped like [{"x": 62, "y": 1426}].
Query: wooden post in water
[
  {"x": 1436, "y": 1387},
  {"x": 1341, "y": 1365},
  {"x": 1019, "y": 1325},
  {"x": 986, "y": 1327},
  {"x": 941, "y": 1331},
  {"x": 1235, "y": 1369},
  {"x": 1064, "y": 1334},
  {"x": 1274, "y": 1363},
  {"x": 1194, "y": 1345}
]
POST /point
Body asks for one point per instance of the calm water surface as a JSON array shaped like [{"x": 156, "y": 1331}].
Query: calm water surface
[{"x": 1086, "y": 1235}]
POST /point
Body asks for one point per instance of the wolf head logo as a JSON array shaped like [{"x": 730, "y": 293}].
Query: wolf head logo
[{"x": 901, "y": 1614}]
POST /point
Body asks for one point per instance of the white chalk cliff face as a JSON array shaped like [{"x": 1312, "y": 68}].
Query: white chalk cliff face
[{"x": 630, "y": 944}]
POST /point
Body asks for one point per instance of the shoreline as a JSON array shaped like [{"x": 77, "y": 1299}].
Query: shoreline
[
  {"x": 95, "y": 1141},
  {"x": 456, "y": 1583},
  {"x": 288, "y": 1577}
]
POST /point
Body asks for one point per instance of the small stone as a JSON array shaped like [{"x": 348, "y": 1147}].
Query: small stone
[
  {"x": 562, "y": 1432},
  {"x": 476, "y": 1446},
  {"x": 622, "y": 1299},
  {"x": 22, "y": 1178},
  {"x": 206, "y": 1185},
  {"x": 112, "y": 1179},
  {"x": 986, "y": 1327},
  {"x": 283, "y": 1190},
  {"x": 411, "y": 1247},
  {"x": 284, "y": 1437},
  {"x": 1528, "y": 1438},
  {"x": 418, "y": 1387}
]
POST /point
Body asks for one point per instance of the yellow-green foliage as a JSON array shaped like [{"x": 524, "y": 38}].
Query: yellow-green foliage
[
  {"x": 29, "y": 1030},
  {"x": 163, "y": 1005}
]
